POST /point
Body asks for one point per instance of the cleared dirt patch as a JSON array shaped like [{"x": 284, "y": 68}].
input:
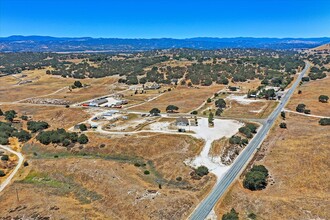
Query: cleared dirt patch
[{"x": 251, "y": 110}]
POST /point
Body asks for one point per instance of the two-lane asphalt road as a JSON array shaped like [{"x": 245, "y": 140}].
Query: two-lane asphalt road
[{"x": 205, "y": 207}]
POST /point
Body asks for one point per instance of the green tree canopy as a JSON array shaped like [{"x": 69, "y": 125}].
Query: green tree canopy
[
  {"x": 77, "y": 84},
  {"x": 154, "y": 111},
  {"x": 323, "y": 98},
  {"x": 172, "y": 108},
  {"x": 220, "y": 103}
]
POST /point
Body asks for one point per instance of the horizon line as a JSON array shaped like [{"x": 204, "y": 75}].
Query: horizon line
[{"x": 150, "y": 38}]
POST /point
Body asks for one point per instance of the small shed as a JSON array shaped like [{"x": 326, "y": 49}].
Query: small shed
[{"x": 182, "y": 121}]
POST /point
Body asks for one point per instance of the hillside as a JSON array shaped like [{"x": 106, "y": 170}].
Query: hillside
[
  {"x": 325, "y": 47},
  {"x": 54, "y": 44}
]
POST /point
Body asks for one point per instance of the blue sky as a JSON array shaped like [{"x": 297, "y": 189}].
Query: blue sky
[{"x": 159, "y": 18}]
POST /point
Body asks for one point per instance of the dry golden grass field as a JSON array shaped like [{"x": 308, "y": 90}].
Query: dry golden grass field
[
  {"x": 101, "y": 181},
  {"x": 310, "y": 97},
  {"x": 187, "y": 99},
  {"x": 57, "y": 117},
  {"x": 97, "y": 87},
  {"x": 45, "y": 85},
  {"x": 298, "y": 161},
  {"x": 42, "y": 84}
]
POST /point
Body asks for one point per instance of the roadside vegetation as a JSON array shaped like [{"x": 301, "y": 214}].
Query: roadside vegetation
[{"x": 256, "y": 178}]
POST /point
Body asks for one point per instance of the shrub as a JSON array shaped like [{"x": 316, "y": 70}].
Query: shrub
[
  {"x": 307, "y": 111},
  {"x": 323, "y": 98},
  {"x": 194, "y": 112},
  {"x": 244, "y": 141},
  {"x": 78, "y": 84},
  {"x": 252, "y": 216},
  {"x": 5, "y": 158},
  {"x": 3, "y": 140},
  {"x": 146, "y": 172},
  {"x": 2, "y": 173},
  {"x": 171, "y": 108},
  {"x": 10, "y": 115},
  {"x": 179, "y": 178},
  {"x": 300, "y": 108},
  {"x": 252, "y": 127},
  {"x": 154, "y": 111},
  {"x": 202, "y": 171},
  {"x": 1, "y": 113},
  {"x": 220, "y": 103},
  {"x": 26, "y": 163},
  {"x": 283, "y": 125},
  {"x": 82, "y": 139},
  {"x": 209, "y": 100},
  {"x": 218, "y": 112},
  {"x": 235, "y": 139},
  {"x": 24, "y": 117},
  {"x": 66, "y": 142},
  {"x": 137, "y": 164},
  {"x": 83, "y": 127},
  {"x": 246, "y": 131},
  {"x": 305, "y": 79},
  {"x": 324, "y": 121},
  {"x": 232, "y": 215}
]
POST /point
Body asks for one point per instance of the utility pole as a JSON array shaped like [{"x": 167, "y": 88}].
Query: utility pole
[{"x": 17, "y": 194}]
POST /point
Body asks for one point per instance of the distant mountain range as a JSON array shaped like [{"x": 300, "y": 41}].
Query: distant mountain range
[{"x": 87, "y": 44}]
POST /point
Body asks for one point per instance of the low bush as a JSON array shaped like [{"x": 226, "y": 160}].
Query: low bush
[
  {"x": 202, "y": 171},
  {"x": 324, "y": 121}
]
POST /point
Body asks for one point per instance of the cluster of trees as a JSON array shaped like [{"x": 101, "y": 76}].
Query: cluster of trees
[
  {"x": 9, "y": 115},
  {"x": 7, "y": 131},
  {"x": 248, "y": 130},
  {"x": 36, "y": 126},
  {"x": 273, "y": 67},
  {"x": 102, "y": 65},
  {"x": 267, "y": 93},
  {"x": 13, "y": 63},
  {"x": 316, "y": 73},
  {"x": 324, "y": 121},
  {"x": 60, "y": 136},
  {"x": 237, "y": 140},
  {"x": 256, "y": 178},
  {"x": 220, "y": 104}
]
